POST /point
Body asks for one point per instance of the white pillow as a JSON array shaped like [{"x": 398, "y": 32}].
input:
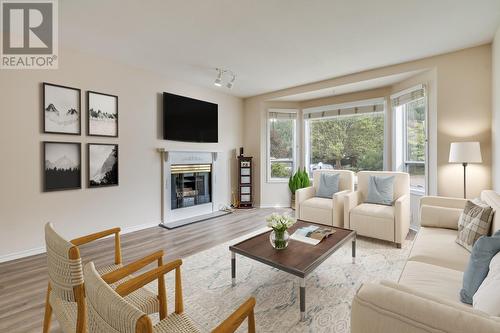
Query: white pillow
[{"x": 487, "y": 297}]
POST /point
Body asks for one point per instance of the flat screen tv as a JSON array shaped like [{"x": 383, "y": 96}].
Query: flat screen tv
[{"x": 189, "y": 119}]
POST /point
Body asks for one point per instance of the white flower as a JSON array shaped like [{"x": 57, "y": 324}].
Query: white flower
[{"x": 280, "y": 222}]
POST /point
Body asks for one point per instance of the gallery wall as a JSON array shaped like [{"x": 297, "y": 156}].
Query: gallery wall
[
  {"x": 135, "y": 203},
  {"x": 461, "y": 83}
]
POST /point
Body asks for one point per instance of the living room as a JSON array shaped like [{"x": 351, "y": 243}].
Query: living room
[{"x": 195, "y": 141}]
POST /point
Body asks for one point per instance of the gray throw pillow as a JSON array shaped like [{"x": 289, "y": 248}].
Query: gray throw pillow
[
  {"x": 328, "y": 185},
  {"x": 380, "y": 190},
  {"x": 477, "y": 269},
  {"x": 474, "y": 222}
]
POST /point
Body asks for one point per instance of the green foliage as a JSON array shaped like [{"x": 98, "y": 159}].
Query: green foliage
[
  {"x": 281, "y": 137},
  {"x": 349, "y": 142},
  {"x": 279, "y": 170},
  {"x": 299, "y": 180}
]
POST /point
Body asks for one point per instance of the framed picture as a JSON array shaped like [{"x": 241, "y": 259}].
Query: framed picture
[
  {"x": 102, "y": 114},
  {"x": 102, "y": 164},
  {"x": 61, "y": 109},
  {"x": 61, "y": 166}
]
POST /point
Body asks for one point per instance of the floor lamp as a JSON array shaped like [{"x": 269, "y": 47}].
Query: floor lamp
[{"x": 465, "y": 153}]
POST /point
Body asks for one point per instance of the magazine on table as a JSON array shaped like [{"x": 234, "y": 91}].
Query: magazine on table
[{"x": 312, "y": 234}]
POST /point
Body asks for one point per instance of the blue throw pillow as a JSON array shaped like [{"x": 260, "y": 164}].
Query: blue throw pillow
[
  {"x": 483, "y": 251},
  {"x": 328, "y": 185},
  {"x": 380, "y": 190}
]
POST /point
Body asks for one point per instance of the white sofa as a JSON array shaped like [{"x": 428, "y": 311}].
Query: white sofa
[
  {"x": 324, "y": 210},
  {"x": 390, "y": 223},
  {"x": 426, "y": 297}
]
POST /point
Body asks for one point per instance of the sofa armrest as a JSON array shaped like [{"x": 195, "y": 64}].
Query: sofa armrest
[
  {"x": 401, "y": 218},
  {"x": 301, "y": 195},
  {"x": 382, "y": 308},
  {"x": 446, "y": 202},
  {"x": 439, "y": 217},
  {"x": 351, "y": 200},
  {"x": 338, "y": 208}
]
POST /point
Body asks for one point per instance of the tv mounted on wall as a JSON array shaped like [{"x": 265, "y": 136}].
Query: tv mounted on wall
[{"x": 189, "y": 119}]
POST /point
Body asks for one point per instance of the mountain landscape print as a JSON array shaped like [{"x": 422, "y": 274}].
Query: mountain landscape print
[
  {"x": 62, "y": 166},
  {"x": 61, "y": 109},
  {"x": 103, "y": 165},
  {"x": 102, "y": 114}
]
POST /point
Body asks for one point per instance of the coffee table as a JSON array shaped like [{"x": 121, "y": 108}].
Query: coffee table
[{"x": 298, "y": 259}]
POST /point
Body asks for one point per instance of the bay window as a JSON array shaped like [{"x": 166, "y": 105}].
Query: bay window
[
  {"x": 348, "y": 136},
  {"x": 281, "y": 144}
]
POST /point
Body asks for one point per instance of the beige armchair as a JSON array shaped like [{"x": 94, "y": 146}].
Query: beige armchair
[
  {"x": 390, "y": 223},
  {"x": 322, "y": 210}
]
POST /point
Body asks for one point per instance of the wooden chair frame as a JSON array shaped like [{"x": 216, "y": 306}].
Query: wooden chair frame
[
  {"x": 112, "y": 277},
  {"x": 144, "y": 324}
]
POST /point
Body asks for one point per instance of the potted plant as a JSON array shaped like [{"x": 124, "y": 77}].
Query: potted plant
[
  {"x": 297, "y": 181},
  {"x": 279, "y": 236}
]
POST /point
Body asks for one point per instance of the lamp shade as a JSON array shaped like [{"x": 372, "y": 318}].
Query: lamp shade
[{"x": 465, "y": 152}]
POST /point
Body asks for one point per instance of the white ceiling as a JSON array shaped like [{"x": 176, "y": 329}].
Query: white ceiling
[
  {"x": 274, "y": 44},
  {"x": 349, "y": 88}
]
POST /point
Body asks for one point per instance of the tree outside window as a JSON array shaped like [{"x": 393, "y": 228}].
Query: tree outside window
[{"x": 281, "y": 147}]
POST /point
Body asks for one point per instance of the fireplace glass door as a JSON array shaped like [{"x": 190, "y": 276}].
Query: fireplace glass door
[{"x": 191, "y": 185}]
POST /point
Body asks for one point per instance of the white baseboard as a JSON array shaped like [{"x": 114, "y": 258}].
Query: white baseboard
[
  {"x": 22, "y": 254},
  {"x": 38, "y": 250},
  {"x": 279, "y": 205}
]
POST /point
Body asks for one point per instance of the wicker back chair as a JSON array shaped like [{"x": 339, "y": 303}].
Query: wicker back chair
[
  {"x": 109, "y": 312},
  {"x": 65, "y": 293}
]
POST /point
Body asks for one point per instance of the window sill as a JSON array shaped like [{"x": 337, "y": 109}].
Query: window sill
[{"x": 277, "y": 181}]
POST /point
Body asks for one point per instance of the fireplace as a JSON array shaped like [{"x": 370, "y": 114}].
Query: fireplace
[{"x": 191, "y": 185}]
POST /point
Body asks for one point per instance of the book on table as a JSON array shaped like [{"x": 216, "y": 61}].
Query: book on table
[{"x": 311, "y": 234}]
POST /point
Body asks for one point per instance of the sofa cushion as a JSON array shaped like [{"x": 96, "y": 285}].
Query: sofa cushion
[
  {"x": 483, "y": 251},
  {"x": 474, "y": 222},
  {"x": 318, "y": 210},
  {"x": 328, "y": 185},
  {"x": 434, "y": 280},
  {"x": 437, "y": 246},
  {"x": 373, "y": 221},
  {"x": 487, "y": 297}
]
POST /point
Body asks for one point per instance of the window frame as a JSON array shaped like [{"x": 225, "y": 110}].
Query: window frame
[
  {"x": 269, "y": 178},
  {"x": 359, "y": 103}
]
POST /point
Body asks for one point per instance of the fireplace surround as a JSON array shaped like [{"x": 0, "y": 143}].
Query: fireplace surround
[{"x": 188, "y": 185}]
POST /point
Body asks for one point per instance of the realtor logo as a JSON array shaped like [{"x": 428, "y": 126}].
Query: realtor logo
[{"x": 29, "y": 34}]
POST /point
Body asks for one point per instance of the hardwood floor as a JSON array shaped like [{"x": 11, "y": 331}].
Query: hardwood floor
[{"x": 23, "y": 282}]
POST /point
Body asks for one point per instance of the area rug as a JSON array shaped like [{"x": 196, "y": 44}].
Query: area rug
[{"x": 209, "y": 297}]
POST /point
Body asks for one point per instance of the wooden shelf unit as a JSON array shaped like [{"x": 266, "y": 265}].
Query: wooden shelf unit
[{"x": 245, "y": 178}]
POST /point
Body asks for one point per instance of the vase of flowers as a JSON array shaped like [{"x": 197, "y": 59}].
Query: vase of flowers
[{"x": 279, "y": 236}]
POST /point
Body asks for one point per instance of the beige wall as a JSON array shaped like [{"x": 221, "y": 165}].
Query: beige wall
[
  {"x": 496, "y": 111},
  {"x": 135, "y": 203},
  {"x": 461, "y": 84}
]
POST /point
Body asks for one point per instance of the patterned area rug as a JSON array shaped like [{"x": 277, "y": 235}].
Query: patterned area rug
[{"x": 209, "y": 297}]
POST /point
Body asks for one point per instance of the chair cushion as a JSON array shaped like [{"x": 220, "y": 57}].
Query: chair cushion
[
  {"x": 328, "y": 185},
  {"x": 434, "y": 280},
  {"x": 176, "y": 323},
  {"x": 474, "y": 222},
  {"x": 437, "y": 246},
  {"x": 477, "y": 269},
  {"x": 372, "y": 220},
  {"x": 318, "y": 203},
  {"x": 318, "y": 210},
  {"x": 380, "y": 190}
]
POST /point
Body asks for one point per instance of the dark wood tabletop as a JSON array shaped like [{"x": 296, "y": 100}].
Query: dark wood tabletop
[{"x": 298, "y": 258}]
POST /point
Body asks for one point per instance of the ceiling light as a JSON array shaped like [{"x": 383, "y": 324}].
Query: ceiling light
[
  {"x": 218, "y": 80},
  {"x": 229, "y": 85},
  {"x": 224, "y": 73}
]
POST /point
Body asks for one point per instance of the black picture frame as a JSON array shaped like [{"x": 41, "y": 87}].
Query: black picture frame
[
  {"x": 89, "y": 125},
  {"x": 78, "y": 104},
  {"x": 91, "y": 169},
  {"x": 51, "y": 180}
]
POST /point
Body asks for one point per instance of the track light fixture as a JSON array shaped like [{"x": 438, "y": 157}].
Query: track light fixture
[{"x": 225, "y": 73}]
